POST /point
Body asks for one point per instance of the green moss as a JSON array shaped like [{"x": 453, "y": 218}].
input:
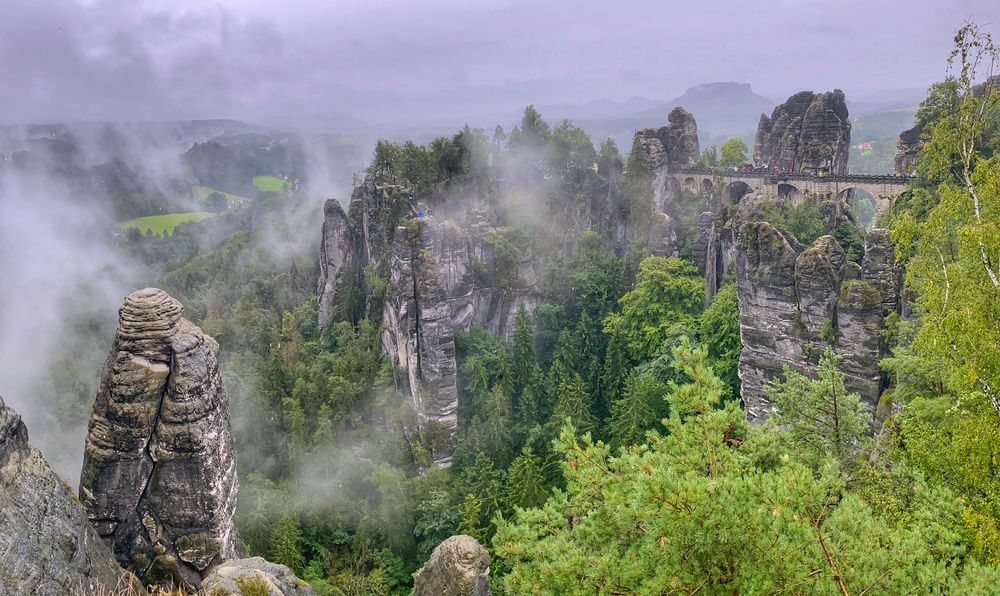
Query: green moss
[
  {"x": 252, "y": 585},
  {"x": 860, "y": 293}
]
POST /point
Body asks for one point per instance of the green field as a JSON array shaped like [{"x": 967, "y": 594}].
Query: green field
[
  {"x": 270, "y": 183},
  {"x": 201, "y": 192},
  {"x": 163, "y": 223}
]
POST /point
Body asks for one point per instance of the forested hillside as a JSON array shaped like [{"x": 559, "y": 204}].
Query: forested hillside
[{"x": 583, "y": 416}]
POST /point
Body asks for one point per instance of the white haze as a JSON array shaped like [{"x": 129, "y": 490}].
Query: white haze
[{"x": 56, "y": 266}]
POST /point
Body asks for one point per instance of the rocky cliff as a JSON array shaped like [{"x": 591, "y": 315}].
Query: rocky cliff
[
  {"x": 794, "y": 302},
  {"x": 441, "y": 276},
  {"x": 459, "y": 566},
  {"x": 908, "y": 147},
  {"x": 159, "y": 474},
  {"x": 807, "y": 133},
  {"x": 674, "y": 145},
  {"x": 47, "y": 545}
]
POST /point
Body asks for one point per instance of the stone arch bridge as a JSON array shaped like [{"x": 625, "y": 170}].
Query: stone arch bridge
[{"x": 884, "y": 189}]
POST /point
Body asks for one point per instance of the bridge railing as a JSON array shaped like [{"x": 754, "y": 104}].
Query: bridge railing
[{"x": 771, "y": 176}]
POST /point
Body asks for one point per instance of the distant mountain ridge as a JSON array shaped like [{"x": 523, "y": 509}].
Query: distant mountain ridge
[{"x": 722, "y": 108}]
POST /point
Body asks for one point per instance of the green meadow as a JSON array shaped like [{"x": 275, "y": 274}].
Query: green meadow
[
  {"x": 163, "y": 223},
  {"x": 270, "y": 183}
]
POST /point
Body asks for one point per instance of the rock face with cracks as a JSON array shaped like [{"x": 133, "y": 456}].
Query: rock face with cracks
[
  {"x": 808, "y": 133},
  {"x": 47, "y": 545},
  {"x": 459, "y": 566},
  {"x": 440, "y": 277},
  {"x": 159, "y": 474},
  {"x": 794, "y": 302}
]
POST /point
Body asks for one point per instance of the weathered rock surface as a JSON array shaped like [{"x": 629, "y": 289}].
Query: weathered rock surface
[
  {"x": 159, "y": 474},
  {"x": 809, "y": 132},
  {"x": 231, "y": 577},
  {"x": 677, "y": 145},
  {"x": 459, "y": 566},
  {"x": 663, "y": 236},
  {"x": 433, "y": 292},
  {"x": 443, "y": 277},
  {"x": 334, "y": 256},
  {"x": 907, "y": 149},
  {"x": 793, "y": 303},
  {"x": 47, "y": 545}
]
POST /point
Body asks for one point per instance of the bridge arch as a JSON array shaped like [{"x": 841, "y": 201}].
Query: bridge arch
[
  {"x": 690, "y": 185},
  {"x": 789, "y": 192},
  {"x": 707, "y": 186},
  {"x": 862, "y": 205},
  {"x": 735, "y": 191}
]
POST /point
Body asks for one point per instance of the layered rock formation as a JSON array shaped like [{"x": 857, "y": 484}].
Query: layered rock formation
[
  {"x": 442, "y": 277},
  {"x": 674, "y": 145},
  {"x": 159, "y": 474},
  {"x": 47, "y": 545},
  {"x": 794, "y": 302},
  {"x": 807, "y": 133},
  {"x": 459, "y": 566},
  {"x": 251, "y": 577},
  {"x": 908, "y": 147}
]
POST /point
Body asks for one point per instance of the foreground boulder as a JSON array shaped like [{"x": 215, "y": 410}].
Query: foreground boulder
[
  {"x": 254, "y": 577},
  {"x": 47, "y": 545},
  {"x": 159, "y": 473},
  {"x": 459, "y": 566}
]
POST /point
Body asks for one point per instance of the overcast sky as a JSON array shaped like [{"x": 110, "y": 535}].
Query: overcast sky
[{"x": 324, "y": 63}]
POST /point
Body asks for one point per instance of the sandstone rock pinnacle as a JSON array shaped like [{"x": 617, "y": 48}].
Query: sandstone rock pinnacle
[{"x": 159, "y": 474}]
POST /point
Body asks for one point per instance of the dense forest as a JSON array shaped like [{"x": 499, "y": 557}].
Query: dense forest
[{"x": 602, "y": 446}]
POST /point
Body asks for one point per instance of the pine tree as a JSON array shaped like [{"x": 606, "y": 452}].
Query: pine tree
[
  {"x": 286, "y": 543},
  {"x": 470, "y": 519},
  {"x": 822, "y": 418},
  {"x": 525, "y": 373},
  {"x": 615, "y": 371},
  {"x": 634, "y": 413},
  {"x": 526, "y": 481},
  {"x": 572, "y": 403},
  {"x": 586, "y": 337},
  {"x": 496, "y": 425}
]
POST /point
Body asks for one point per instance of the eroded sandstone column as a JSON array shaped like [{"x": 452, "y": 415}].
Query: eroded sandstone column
[{"x": 159, "y": 473}]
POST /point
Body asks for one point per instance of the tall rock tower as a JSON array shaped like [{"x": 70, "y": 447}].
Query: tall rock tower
[
  {"x": 808, "y": 133},
  {"x": 159, "y": 473}
]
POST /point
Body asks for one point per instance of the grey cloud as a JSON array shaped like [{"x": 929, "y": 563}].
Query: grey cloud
[{"x": 337, "y": 64}]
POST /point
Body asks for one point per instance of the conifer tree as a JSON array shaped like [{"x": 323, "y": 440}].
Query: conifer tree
[
  {"x": 470, "y": 518},
  {"x": 822, "y": 418},
  {"x": 526, "y": 481},
  {"x": 573, "y": 403},
  {"x": 496, "y": 425},
  {"x": 286, "y": 543},
  {"x": 634, "y": 413},
  {"x": 525, "y": 373},
  {"x": 615, "y": 371}
]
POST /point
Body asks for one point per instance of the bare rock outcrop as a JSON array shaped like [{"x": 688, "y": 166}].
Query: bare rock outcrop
[
  {"x": 159, "y": 473},
  {"x": 459, "y": 566},
  {"x": 677, "y": 145},
  {"x": 795, "y": 302},
  {"x": 663, "y": 236},
  {"x": 47, "y": 545},
  {"x": 444, "y": 278},
  {"x": 441, "y": 276},
  {"x": 908, "y": 147},
  {"x": 250, "y": 576},
  {"x": 807, "y": 133},
  {"x": 334, "y": 257}
]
